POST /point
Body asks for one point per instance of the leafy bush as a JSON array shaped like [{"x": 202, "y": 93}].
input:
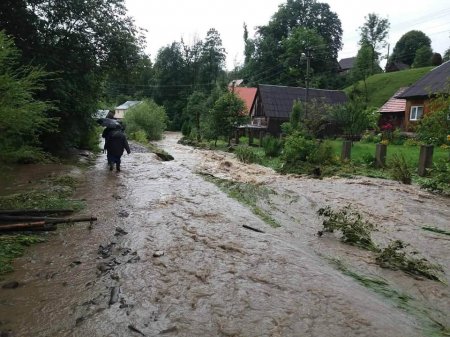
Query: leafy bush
[
  {"x": 397, "y": 137},
  {"x": 393, "y": 257},
  {"x": 400, "y": 170},
  {"x": 435, "y": 125},
  {"x": 297, "y": 148},
  {"x": 411, "y": 142},
  {"x": 350, "y": 223},
  {"x": 139, "y": 136},
  {"x": 246, "y": 154},
  {"x": 439, "y": 179},
  {"x": 323, "y": 153},
  {"x": 272, "y": 146},
  {"x": 370, "y": 137},
  {"x": 147, "y": 117}
]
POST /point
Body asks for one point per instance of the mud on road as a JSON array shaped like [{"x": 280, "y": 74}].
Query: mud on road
[{"x": 170, "y": 256}]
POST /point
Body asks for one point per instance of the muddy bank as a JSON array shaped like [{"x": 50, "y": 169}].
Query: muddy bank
[{"x": 169, "y": 256}]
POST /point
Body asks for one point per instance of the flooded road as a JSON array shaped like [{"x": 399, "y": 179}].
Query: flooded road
[{"x": 170, "y": 256}]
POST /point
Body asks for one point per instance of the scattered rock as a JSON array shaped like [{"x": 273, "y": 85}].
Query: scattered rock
[
  {"x": 105, "y": 251},
  {"x": 114, "y": 298},
  {"x": 169, "y": 330},
  {"x": 158, "y": 253},
  {"x": 75, "y": 263},
  {"x": 134, "y": 329},
  {"x": 120, "y": 231},
  {"x": 124, "y": 214},
  {"x": 10, "y": 285},
  {"x": 134, "y": 259}
]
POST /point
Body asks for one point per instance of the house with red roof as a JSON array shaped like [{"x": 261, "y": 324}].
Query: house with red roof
[
  {"x": 247, "y": 95},
  {"x": 393, "y": 111}
]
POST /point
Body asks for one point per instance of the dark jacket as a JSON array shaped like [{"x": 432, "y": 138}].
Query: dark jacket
[{"x": 116, "y": 143}]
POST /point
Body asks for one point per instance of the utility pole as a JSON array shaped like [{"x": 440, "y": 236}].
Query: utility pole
[{"x": 308, "y": 59}]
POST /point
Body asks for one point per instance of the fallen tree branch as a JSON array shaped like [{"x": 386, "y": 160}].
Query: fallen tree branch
[{"x": 253, "y": 229}]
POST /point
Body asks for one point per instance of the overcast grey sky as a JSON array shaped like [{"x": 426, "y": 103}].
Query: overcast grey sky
[{"x": 170, "y": 20}]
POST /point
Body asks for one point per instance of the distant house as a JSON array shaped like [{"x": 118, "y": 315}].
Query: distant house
[
  {"x": 246, "y": 94},
  {"x": 393, "y": 111},
  {"x": 345, "y": 65},
  {"x": 396, "y": 66},
  {"x": 418, "y": 95},
  {"x": 272, "y": 105},
  {"x": 119, "y": 112},
  {"x": 101, "y": 114}
]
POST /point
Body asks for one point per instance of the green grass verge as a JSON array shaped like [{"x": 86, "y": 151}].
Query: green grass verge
[
  {"x": 51, "y": 193},
  {"x": 12, "y": 246},
  {"x": 247, "y": 194}
]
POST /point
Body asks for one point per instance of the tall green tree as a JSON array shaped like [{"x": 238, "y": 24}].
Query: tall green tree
[
  {"x": 374, "y": 32},
  {"x": 226, "y": 115},
  {"x": 195, "y": 110},
  {"x": 423, "y": 57},
  {"x": 267, "y": 51},
  {"x": 405, "y": 49},
  {"x": 212, "y": 57},
  {"x": 23, "y": 118},
  {"x": 78, "y": 41}
]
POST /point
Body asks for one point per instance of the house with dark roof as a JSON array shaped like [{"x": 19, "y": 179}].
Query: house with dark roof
[
  {"x": 417, "y": 96},
  {"x": 345, "y": 65},
  {"x": 272, "y": 105},
  {"x": 393, "y": 111}
]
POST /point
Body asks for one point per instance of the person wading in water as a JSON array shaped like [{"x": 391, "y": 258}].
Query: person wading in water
[{"x": 115, "y": 144}]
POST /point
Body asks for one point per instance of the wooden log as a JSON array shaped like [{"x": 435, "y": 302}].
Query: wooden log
[
  {"x": 35, "y": 211},
  {"x": 22, "y": 226},
  {"x": 253, "y": 229},
  {"x": 12, "y": 218}
]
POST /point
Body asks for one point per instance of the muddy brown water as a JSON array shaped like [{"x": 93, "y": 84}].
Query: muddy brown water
[{"x": 169, "y": 256}]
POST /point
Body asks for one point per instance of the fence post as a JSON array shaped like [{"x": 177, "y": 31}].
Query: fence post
[
  {"x": 237, "y": 136},
  {"x": 260, "y": 138},
  {"x": 425, "y": 159},
  {"x": 250, "y": 137},
  {"x": 346, "y": 150},
  {"x": 380, "y": 155}
]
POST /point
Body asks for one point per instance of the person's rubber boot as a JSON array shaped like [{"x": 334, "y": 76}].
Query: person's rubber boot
[
  {"x": 118, "y": 167},
  {"x": 111, "y": 166}
]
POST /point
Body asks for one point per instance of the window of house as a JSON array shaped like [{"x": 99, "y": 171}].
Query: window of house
[{"x": 416, "y": 113}]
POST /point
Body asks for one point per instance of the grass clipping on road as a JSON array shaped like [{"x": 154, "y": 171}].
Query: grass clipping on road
[
  {"x": 247, "y": 194},
  {"x": 357, "y": 231}
]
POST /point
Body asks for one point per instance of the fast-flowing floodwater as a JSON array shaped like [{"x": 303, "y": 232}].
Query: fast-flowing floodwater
[{"x": 170, "y": 256}]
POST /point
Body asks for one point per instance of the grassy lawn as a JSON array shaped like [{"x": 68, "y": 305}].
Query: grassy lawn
[
  {"x": 382, "y": 86},
  {"x": 360, "y": 151}
]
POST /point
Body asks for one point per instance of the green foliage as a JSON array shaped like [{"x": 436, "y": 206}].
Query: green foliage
[
  {"x": 371, "y": 137},
  {"x": 350, "y": 223},
  {"x": 196, "y": 108},
  {"x": 226, "y": 115},
  {"x": 246, "y": 154},
  {"x": 140, "y": 136},
  {"x": 394, "y": 257},
  {"x": 405, "y": 48},
  {"x": 280, "y": 39},
  {"x": 400, "y": 170},
  {"x": 23, "y": 118},
  {"x": 12, "y": 246},
  {"x": 295, "y": 114},
  {"x": 423, "y": 57},
  {"x": 148, "y": 117},
  {"x": 439, "y": 178},
  {"x": 272, "y": 146},
  {"x": 297, "y": 148},
  {"x": 374, "y": 33},
  {"x": 354, "y": 118},
  {"x": 434, "y": 127}
]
